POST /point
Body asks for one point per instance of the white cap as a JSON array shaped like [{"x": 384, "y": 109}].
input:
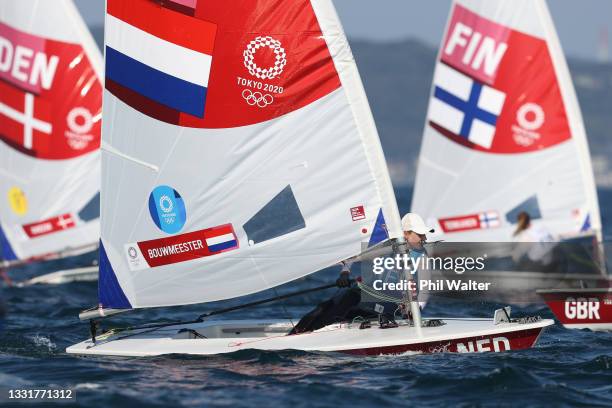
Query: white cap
[{"x": 414, "y": 222}]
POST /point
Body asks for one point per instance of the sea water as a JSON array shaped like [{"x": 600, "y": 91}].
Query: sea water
[{"x": 567, "y": 368}]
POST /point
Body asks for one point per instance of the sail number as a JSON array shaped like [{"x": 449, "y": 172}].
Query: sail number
[
  {"x": 496, "y": 344},
  {"x": 582, "y": 308}
]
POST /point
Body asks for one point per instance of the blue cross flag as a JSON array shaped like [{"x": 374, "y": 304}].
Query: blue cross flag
[{"x": 465, "y": 107}]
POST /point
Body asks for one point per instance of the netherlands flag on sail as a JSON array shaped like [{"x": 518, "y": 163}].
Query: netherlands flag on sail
[
  {"x": 221, "y": 242},
  {"x": 465, "y": 107},
  {"x": 160, "y": 54}
]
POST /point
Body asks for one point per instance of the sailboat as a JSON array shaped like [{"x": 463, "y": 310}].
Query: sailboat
[
  {"x": 50, "y": 111},
  {"x": 239, "y": 153},
  {"x": 584, "y": 308},
  {"x": 504, "y": 135}
]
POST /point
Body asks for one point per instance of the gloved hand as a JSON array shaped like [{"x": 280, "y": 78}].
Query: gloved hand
[{"x": 343, "y": 281}]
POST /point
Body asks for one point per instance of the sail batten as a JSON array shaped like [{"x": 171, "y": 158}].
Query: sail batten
[
  {"x": 504, "y": 132},
  {"x": 272, "y": 174}
]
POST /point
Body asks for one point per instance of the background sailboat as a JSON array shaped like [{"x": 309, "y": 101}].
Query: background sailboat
[
  {"x": 504, "y": 134},
  {"x": 50, "y": 111}
]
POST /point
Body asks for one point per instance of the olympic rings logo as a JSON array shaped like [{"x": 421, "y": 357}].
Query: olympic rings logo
[
  {"x": 257, "y": 98},
  {"x": 279, "y": 53}
]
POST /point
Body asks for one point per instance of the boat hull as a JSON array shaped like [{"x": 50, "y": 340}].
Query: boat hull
[
  {"x": 86, "y": 274},
  {"x": 206, "y": 338},
  {"x": 581, "y": 308},
  {"x": 518, "y": 340}
]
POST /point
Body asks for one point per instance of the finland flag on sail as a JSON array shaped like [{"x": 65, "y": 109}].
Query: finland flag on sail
[
  {"x": 464, "y": 106},
  {"x": 489, "y": 219},
  {"x": 159, "y": 53}
]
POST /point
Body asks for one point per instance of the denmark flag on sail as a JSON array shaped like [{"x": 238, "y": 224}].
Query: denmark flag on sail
[
  {"x": 22, "y": 115},
  {"x": 49, "y": 226},
  {"x": 50, "y": 96},
  {"x": 159, "y": 54}
]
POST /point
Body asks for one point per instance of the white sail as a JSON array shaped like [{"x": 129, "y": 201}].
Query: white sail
[
  {"x": 239, "y": 151},
  {"x": 50, "y": 110},
  {"x": 504, "y": 132}
]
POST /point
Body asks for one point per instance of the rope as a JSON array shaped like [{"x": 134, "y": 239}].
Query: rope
[
  {"x": 153, "y": 327},
  {"x": 375, "y": 294},
  {"x": 287, "y": 315}
]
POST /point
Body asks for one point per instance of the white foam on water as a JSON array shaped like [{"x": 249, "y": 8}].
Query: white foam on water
[{"x": 43, "y": 341}]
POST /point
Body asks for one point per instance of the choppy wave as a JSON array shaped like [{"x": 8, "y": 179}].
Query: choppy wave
[{"x": 567, "y": 368}]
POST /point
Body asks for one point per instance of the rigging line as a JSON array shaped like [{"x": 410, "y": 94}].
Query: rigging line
[
  {"x": 152, "y": 327},
  {"x": 288, "y": 316},
  {"x": 259, "y": 302},
  {"x": 372, "y": 292}
]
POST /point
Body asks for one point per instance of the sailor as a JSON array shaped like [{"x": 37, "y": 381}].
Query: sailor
[
  {"x": 345, "y": 305},
  {"x": 415, "y": 234},
  {"x": 535, "y": 245}
]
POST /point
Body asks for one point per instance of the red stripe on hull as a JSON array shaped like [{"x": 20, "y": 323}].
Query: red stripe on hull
[
  {"x": 581, "y": 307},
  {"x": 517, "y": 340}
]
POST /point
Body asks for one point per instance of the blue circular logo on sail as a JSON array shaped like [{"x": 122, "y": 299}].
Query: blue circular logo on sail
[{"x": 167, "y": 209}]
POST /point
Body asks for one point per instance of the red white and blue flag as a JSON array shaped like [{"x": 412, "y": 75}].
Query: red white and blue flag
[
  {"x": 159, "y": 55},
  {"x": 181, "y": 248}
]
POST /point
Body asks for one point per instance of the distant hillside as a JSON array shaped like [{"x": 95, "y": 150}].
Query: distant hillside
[{"x": 397, "y": 77}]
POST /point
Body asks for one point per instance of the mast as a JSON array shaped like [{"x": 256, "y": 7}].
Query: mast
[{"x": 409, "y": 301}]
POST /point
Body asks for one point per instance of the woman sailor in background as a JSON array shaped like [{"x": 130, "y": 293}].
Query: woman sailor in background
[
  {"x": 347, "y": 304},
  {"x": 535, "y": 245}
]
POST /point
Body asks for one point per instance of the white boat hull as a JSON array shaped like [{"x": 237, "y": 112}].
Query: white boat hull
[
  {"x": 87, "y": 274},
  {"x": 218, "y": 337}
]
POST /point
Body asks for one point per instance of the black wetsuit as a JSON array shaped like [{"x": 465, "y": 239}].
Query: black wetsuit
[{"x": 344, "y": 306}]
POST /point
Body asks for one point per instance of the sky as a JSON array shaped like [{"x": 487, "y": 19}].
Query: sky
[{"x": 579, "y": 22}]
